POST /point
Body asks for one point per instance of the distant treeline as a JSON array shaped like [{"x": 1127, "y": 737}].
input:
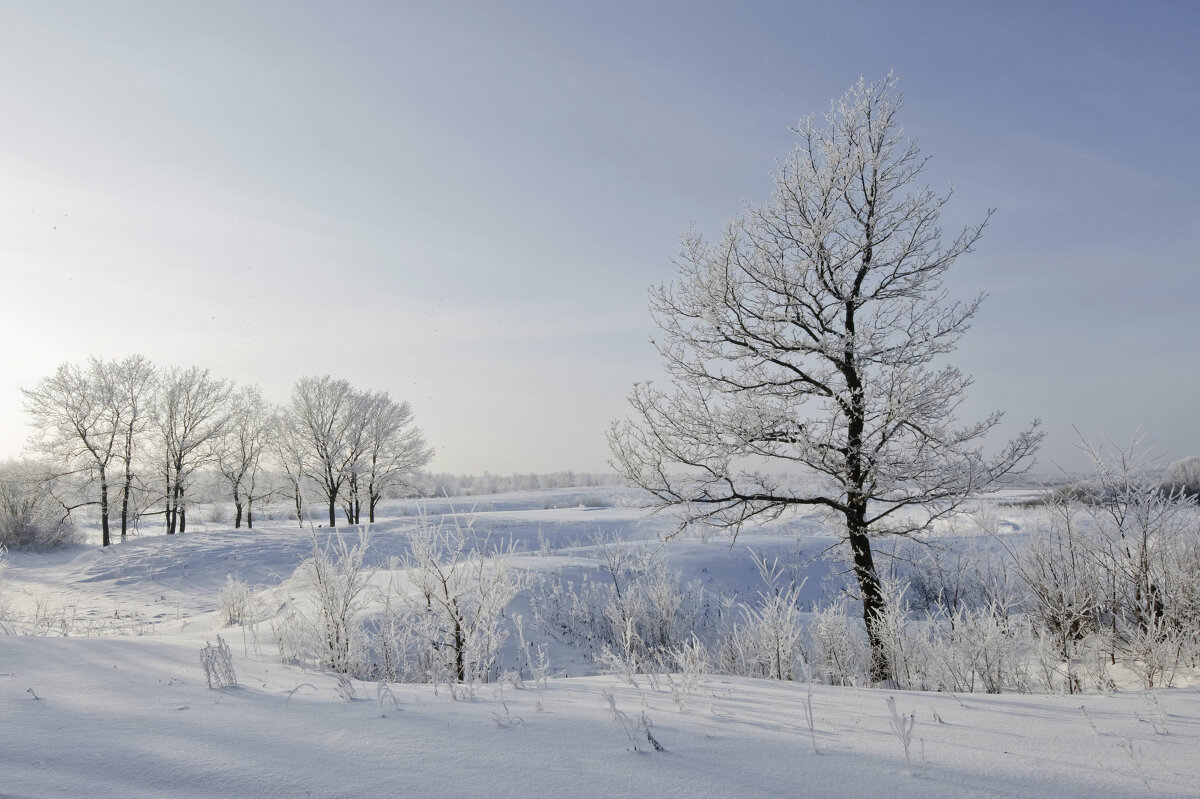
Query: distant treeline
[{"x": 465, "y": 485}]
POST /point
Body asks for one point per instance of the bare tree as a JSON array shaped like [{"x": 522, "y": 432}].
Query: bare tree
[
  {"x": 321, "y": 418},
  {"x": 806, "y": 339},
  {"x": 395, "y": 451},
  {"x": 360, "y": 411},
  {"x": 190, "y": 416},
  {"x": 287, "y": 454},
  {"x": 350, "y": 442},
  {"x": 76, "y": 421},
  {"x": 240, "y": 450},
  {"x": 133, "y": 386}
]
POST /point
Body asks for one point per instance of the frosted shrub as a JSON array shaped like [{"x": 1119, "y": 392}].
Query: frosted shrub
[
  {"x": 1062, "y": 581},
  {"x": 1116, "y": 568},
  {"x": 444, "y": 621},
  {"x": 1157, "y": 650},
  {"x": 334, "y": 579},
  {"x": 1182, "y": 477},
  {"x": 650, "y": 614},
  {"x": 236, "y": 601},
  {"x": 690, "y": 661},
  {"x": 1161, "y": 630},
  {"x": 217, "y": 662},
  {"x": 1084, "y": 667},
  {"x": 839, "y": 650},
  {"x": 906, "y": 645},
  {"x": 573, "y": 612},
  {"x": 767, "y": 640},
  {"x": 30, "y": 517},
  {"x": 978, "y": 649},
  {"x": 633, "y": 618},
  {"x": 398, "y": 652},
  {"x": 298, "y": 637}
]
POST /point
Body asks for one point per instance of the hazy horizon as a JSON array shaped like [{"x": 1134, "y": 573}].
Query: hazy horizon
[{"x": 465, "y": 206}]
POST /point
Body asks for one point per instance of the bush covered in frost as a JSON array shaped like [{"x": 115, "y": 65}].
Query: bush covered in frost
[{"x": 30, "y": 516}]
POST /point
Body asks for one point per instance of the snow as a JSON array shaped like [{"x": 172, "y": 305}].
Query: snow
[{"x": 119, "y": 706}]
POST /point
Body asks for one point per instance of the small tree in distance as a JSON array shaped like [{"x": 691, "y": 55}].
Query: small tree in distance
[
  {"x": 396, "y": 450},
  {"x": 133, "y": 382},
  {"x": 321, "y": 418},
  {"x": 805, "y": 338},
  {"x": 240, "y": 450},
  {"x": 190, "y": 415},
  {"x": 346, "y": 442}
]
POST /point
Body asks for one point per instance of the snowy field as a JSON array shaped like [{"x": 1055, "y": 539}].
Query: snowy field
[{"x": 102, "y": 693}]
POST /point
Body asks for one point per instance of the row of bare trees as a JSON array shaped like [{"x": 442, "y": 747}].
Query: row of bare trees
[
  {"x": 130, "y": 438},
  {"x": 352, "y": 446}
]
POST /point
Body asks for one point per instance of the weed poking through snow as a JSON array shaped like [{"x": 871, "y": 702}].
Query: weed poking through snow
[
  {"x": 902, "y": 725},
  {"x": 635, "y": 731},
  {"x": 217, "y": 662}
]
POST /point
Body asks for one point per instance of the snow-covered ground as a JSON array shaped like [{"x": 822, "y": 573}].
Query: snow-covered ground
[{"x": 110, "y": 698}]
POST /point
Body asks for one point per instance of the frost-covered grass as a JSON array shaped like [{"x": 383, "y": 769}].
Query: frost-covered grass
[{"x": 108, "y": 696}]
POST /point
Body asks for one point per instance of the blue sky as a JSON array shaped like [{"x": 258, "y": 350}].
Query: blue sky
[{"x": 464, "y": 204}]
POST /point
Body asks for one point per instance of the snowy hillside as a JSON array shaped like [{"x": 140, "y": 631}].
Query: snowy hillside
[{"x": 103, "y": 694}]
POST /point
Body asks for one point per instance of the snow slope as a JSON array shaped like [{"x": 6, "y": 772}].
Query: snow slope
[{"x": 119, "y": 706}]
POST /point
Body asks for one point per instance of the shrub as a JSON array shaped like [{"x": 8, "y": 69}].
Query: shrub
[
  {"x": 30, "y": 516},
  {"x": 334, "y": 579},
  {"x": 634, "y": 618},
  {"x": 445, "y": 620},
  {"x": 217, "y": 662},
  {"x": 768, "y": 639},
  {"x": 1117, "y": 573},
  {"x": 839, "y": 646},
  {"x": 1183, "y": 477},
  {"x": 236, "y": 602}
]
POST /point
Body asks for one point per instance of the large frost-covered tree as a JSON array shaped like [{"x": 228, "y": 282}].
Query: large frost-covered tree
[{"x": 807, "y": 339}]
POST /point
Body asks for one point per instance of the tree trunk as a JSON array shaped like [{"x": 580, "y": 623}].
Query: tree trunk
[
  {"x": 857, "y": 477},
  {"x": 872, "y": 596},
  {"x": 237, "y": 515},
  {"x": 182, "y": 519},
  {"x": 175, "y": 519},
  {"x": 460, "y": 644},
  {"x": 128, "y": 480},
  {"x": 105, "y": 539},
  {"x": 170, "y": 508},
  {"x": 125, "y": 502},
  {"x": 333, "y": 511}
]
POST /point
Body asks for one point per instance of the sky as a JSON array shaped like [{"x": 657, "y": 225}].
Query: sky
[{"x": 464, "y": 204}]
